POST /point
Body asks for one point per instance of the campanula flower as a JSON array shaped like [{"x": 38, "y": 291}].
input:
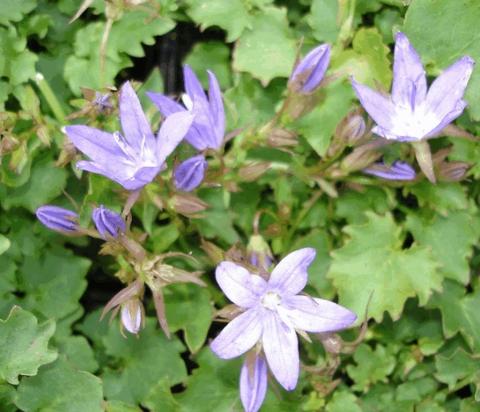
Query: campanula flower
[
  {"x": 398, "y": 170},
  {"x": 412, "y": 113},
  {"x": 189, "y": 174},
  {"x": 108, "y": 222},
  {"x": 272, "y": 312},
  {"x": 58, "y": 219},
  {"x": 208, "y": 129},
  {"x": 136, "y": 157},
  {"x": 102, "y": 101},
  {"x": 309, "y": 72}
]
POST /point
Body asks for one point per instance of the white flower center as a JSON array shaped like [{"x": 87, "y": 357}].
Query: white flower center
[{"x": 271, "y": 300}]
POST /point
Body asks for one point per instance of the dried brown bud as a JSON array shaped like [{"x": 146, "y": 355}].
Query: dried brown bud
[
  {"x": 331, "y": 342},
  {"x": 452, "y": 171},
  {"x": 360, "y": 158},
  {"x": 187, "y": 204},
  {"x": 8, "y": 144},
  {"x": 253, "y": 171},
  {"x": 351, "y": 129},
  {"x": 215, "y": 254},
  {"x": 282, "y": 138}
]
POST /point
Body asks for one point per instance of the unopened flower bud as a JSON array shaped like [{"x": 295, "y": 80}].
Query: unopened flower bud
[
  {"x": 253, "y": 171},
  {"x": 331, "y": 342},
  {"x": 398, "y": 170},
  {"x": 8, "y": 144},
  {"x": 452, "y": 171},
  {"x": 132, "y": 315},
  {"x": 308, "y": 74},
  {"x": 108, "y": 222},
  {"x": 215, "y": 254},
  {"x": 259, "y": 252},
  {"x": 187, "y": 204},
  {"x": 424, "y": 159},
  {"x": 351, "y": 129},
  {"x": 360, "y": 158},
  {"x": 190, "y": 173},
  {"x": 58, "y": 219},
  {"x": 281, "y": 137},
  {"x": 102, "y": 102}
]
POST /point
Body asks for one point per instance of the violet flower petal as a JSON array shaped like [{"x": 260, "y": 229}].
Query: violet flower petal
[
  {"x": 57, "y": 218},
  {"x": 290, "y": 275},
  {"x": 379, "y": 107},
  {"x": 135, "y": 126},
  {"x": 446, "y": 92},
  {"x": 216, "y": 108},
  {"x": 315, "y": 315},
  {"x": 241, "y": 287},
  {"x": 397, "y": 171},
  {"x": 409, "y": 86},
  {"x": 190, "y": 173},
  {"x": 108, "y": 222},
  {"x": 193, "y": 87},
  {"x": 238, "y": 336},
  {"x": 280, "y": 345},
  {"x": 165, "y": 105},
  {"x": 253, "y": 384},
  {"x": 171, "y": 133}
]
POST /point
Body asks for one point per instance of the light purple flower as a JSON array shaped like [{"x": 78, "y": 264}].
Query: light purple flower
[
  {"x": 273, "y": 310},
  {"x": 411, "y": 113},
  {"x": 253, "y": 383},
  {"x": 310, "y": 71},
  {"x": 398, "y": 170},
  {"x": 57, "y": 218},
  {"x": 208, "y": 129},
  {"x": 108, "y": 222},
  {"x": 189, "y": 174},
  {"x": 134, "y": 159},
  {"x": 131, "y": 315}
]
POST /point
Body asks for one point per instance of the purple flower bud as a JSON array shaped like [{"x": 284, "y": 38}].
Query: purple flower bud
[
  {"x": 131, "y": 315},
  {"x": 57, "y": 218},
  {"x": 108, "y": 222},
  {"x": 102, "y": 101},
  {"x": 189, "y": 174},
  {"x": 310, "y": 71},
  {"x": 397, "y": 171}
]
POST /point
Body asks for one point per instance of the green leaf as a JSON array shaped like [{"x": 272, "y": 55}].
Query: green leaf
[
  {"x": 352, "y": 205},
  {"x": 16, "y": 62},
  {"x": 119, "y": 406},
  {"x": 448, "y": 38},
  {"x": 459, "y": 313},
  {"x": 24, "y": 345},
  {"x": 60, "y": 388},
  {"x": 456, "y": 366},
  {"x": 214, "y": 56},
  {"x": 78, "y": 352},
  {"x": 4, "y": 244},
  {"x": 343, "y": 401},
  {"x": 14, "y": 10},
  {"x": 460, "y": 228},
  {"x": 441, "y": 197},
  {"x": 126, "y": 38},
  {"x": 46, "y": 183},
  {"x": 319, "y": 125},
  {"x": 367, "y": 61},
  {"x": 232, "y": 15},
  {"x": 267, "y": 50},
  {"x": 188, "y": 308},
  {"x": 141, "y": 362},
  {"x": 7, "y": 398},
  {"x": 54, "y": 283},
  {"x": 372, "y": 366},
  {"x": 372, "y": 263},
  {"x": 323, "y": 19}
]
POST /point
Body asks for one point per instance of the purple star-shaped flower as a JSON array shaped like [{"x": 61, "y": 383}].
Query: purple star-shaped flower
[
  {"x": 273, "y": 311},
  {"x": 136, "y": 157},
  {"x": 208, "y": 128},
  {"x": 412, "y": 113}
]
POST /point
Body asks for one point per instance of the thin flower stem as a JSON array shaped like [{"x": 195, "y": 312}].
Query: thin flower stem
[{"x": 50, "y": 97}]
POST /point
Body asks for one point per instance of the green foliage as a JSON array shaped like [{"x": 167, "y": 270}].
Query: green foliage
[
  {"x": 372, "y": 270},
  {"x": 24, "y": 345},
  {"x": 403, "y": 254}
]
